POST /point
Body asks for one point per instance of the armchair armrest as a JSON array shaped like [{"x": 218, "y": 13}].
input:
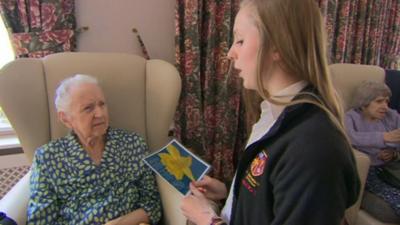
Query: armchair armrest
[
  {"x": 363, "y": 162},
  {"x": 15, "y": 202},
  {"x": 171, "y": 201}
]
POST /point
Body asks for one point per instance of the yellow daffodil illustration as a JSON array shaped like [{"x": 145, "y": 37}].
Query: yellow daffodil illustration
[{"x": 176, "y": 164}]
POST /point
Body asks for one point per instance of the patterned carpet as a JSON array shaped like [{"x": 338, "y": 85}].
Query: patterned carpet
[{"x": 9, "y": 177}]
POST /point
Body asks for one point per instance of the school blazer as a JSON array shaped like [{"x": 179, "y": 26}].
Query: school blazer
[{"x": 301, "y": 172}]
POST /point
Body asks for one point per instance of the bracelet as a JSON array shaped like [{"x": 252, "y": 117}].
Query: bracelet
[{"x": 216, "y": 220}]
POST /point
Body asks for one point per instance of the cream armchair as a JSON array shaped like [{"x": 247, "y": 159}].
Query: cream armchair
[
  {"x": 142, "y": 96},
  {"x": 346, "y": 77}
]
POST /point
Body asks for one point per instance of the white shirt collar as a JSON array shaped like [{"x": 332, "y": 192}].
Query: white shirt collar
[{"x": 286, "y": 94}]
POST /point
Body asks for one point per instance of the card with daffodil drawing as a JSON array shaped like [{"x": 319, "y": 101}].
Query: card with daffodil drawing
[{"x": 177, "y": 165}]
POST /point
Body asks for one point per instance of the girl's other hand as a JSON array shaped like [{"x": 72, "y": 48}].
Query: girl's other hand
[{"x": 196, "y": 208}]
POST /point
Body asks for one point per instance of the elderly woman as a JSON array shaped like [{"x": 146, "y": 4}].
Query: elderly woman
[
  {"x": 95, "y": 174},
  {"x": 373, "y": 128}
]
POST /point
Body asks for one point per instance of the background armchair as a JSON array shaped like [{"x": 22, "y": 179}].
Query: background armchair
[
  {"x": 346, "y": 77},
  {"x": 142, "y": 96}
]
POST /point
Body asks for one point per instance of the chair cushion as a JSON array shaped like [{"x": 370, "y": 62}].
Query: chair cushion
[
  {"x": 378, "y": 208},
  {"x": 392, "y": 80}
]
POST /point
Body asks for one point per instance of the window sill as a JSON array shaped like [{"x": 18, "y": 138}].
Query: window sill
[
  {"x": 6, "y": 129},
  {"x": 9, "y": 141}
]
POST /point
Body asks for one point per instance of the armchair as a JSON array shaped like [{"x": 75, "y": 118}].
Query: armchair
[
  {"x": 142, "y": 96},
  {"x": 346, "y": 77}
]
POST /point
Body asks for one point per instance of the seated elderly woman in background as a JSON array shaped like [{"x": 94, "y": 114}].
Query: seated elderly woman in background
[
  {"x": 95, "y": 174},
  {"x": 373, "y": 128}
]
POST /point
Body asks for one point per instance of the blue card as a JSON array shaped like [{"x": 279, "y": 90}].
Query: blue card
[{"x": 177, "y": 165}]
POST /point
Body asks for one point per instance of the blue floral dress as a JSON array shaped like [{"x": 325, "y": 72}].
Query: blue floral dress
[{"x": 68, "y": 188}]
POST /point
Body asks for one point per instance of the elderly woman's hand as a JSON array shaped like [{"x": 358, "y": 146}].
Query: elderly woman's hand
[
  {"x": 386, "y": 155},
  {"x": 392, "y": 136},
  {"x": 196, "y": 208}
]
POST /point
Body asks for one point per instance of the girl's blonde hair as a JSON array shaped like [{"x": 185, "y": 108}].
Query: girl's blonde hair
[{"x": 294, "y": 29}]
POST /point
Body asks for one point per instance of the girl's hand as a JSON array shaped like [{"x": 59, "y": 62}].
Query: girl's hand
[
  {"x": 212, "y": 189},
  {"x": 196, "y": 208},
  {"x": 114, "y": 221}
]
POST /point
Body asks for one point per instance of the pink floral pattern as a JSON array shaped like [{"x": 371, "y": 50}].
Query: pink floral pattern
[
  {"x": 35, "y": 14},
  {"x": 49, "y": 16},
  {"x": 38, "y": 27},
  {"x": 363, "y": 32}
]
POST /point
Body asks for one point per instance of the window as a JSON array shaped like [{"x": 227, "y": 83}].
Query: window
[
  {"x": 7, "y": 135},
  {"x": 7, "y": 53}
]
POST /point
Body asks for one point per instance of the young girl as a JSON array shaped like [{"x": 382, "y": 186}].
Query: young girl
[{"x": 298, "y": 167}]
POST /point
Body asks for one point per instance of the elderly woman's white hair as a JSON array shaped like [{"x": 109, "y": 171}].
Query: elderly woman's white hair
[
  {"x": 63, "y": 96},
  {"x": 369, "y": 91}
]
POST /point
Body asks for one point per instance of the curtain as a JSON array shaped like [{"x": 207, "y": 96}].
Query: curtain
[
  {"x": 363, "y": 31},
  {"x": 39, "y": 27},
  {"x": 209, "y": 116}
]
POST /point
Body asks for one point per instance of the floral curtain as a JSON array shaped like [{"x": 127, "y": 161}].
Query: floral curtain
[
  {"x": 39, "y": 27},
  {"x": 209, "y": 118},
  {"x": 363, "y": 31}
]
